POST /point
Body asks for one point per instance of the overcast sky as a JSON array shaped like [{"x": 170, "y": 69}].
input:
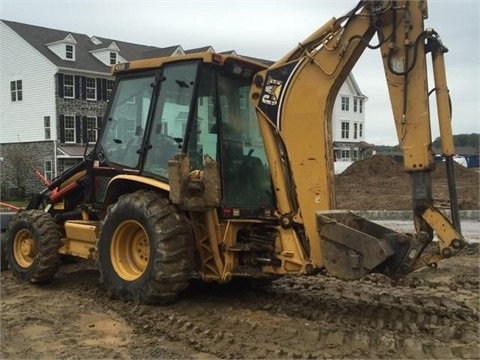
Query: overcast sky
[{"x": 269, "y": 29}]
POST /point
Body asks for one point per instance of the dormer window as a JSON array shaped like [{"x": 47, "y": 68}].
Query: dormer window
[
  {"x": 108, "y": 55},
  {"x": 69, "y": 52},
  {"x": 64, "y": 48}
]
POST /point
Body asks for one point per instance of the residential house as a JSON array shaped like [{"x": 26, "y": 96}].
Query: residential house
[
  {"x": 349, "y": 122},
  {"x": 54, "y": 92}
]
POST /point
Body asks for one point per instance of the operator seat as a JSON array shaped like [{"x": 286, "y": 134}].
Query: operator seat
[{"x": 254, "y": 185}]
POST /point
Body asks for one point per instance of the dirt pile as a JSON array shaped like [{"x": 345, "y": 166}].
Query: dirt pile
[
  {"x": 379, "y": 183},
  {"x": 374, "y": 166}
]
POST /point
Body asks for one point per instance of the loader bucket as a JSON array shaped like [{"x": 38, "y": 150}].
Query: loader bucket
[{"x": 353, "y": 246}]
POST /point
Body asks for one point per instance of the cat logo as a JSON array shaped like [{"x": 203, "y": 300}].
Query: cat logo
[
  {"x": 272, "y": 91},
  {"x": 121, "y": 67}
]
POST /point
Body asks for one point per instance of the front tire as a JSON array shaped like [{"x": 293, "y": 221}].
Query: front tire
[
  {"x": 145, "y": 251},
  {"x": 33, "y": 240}
]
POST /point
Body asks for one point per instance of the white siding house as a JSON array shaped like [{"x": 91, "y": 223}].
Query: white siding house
[
  {"x": 54, "y": 90},
  {"x": 349, "y": 122},
  {"x": 23, "y": 111}
]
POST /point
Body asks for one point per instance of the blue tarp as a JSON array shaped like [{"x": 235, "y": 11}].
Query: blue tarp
[{"x": 473, "y": 161}]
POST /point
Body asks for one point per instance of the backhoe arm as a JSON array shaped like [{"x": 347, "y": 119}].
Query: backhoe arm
[
  {"x": 404, "y": 59},
  {"x": 294, "y": 99}
]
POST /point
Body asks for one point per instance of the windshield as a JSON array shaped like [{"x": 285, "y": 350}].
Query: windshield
[{"x": 123, "y": 134}]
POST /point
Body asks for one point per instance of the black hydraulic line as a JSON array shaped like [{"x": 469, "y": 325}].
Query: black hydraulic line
[
  {"x": 412, "y": 65},
  {"x": 67, "y": 174},
  {"x": 452, "y": 193},
  {"x": 287, "y": 173}
]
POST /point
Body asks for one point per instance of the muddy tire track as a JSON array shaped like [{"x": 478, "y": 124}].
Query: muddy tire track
[{"x": 433, "y": 313}]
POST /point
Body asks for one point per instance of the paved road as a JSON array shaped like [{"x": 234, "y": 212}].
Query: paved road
[{"x": 470, "y": 229}]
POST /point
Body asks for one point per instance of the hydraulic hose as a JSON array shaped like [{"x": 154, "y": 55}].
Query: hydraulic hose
[{"x": 453, "y": 193}]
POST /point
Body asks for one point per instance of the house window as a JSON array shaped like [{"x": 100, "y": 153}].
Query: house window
[
  {"x": 68, "y": 86},
  {"x": 360, "y": 105},
  {"x": 69, "y": 128},
  {"x": 355, "y": 130},
  {"x": 345, "y": 103},
  {"x": 355, "y": 105},
  {"x": 345, "y": 154},
  {"x": 113, "y": 58},
  {"x": 360, "y": 130},
  {"x": 69, "y": 52},
  {"x": 46, "y": 126},
  {"x": 48, "y": 174},
  {"x": 92, "y": 131},
  {"x": 91, "y": 89},
  {"x": 345, "y": 129},
  {"x": 109, "y": 89},
  {"x": 16, "y": 90}
]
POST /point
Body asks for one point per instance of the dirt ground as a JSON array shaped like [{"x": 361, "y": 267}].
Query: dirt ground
[{"x": 432, "y": 313}]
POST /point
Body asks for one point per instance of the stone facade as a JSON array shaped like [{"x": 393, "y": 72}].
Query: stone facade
[
  {"x": 79, "y": 107},
  {"x": 19, "y": 160}
]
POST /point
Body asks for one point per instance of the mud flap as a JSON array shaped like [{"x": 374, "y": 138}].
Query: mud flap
[{"x": 353, "y": 246}]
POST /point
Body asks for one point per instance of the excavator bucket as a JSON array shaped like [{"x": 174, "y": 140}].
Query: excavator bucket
[{"x": 353, "y": 246}]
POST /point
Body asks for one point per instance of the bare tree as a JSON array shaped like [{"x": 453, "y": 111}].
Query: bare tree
[{"x": 16, "y": 166}]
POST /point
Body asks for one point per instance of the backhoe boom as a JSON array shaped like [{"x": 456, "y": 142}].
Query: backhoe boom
[{"x": 294, "y": 99}]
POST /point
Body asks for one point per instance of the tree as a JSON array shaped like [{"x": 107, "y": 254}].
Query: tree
[
  {"x": 16, "y": 167},
  {"x": 462, "y": 140}
]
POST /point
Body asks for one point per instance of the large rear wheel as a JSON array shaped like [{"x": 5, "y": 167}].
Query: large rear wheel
[
  {"x": 33, "y": 240},
  {"x": 145, "y": 252}
]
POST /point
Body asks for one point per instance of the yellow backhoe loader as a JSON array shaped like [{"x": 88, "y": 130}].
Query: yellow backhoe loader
[{"x": 217, "y": 167}]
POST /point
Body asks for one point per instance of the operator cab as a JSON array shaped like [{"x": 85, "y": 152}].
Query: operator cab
[{"x": 199, "y": 109}]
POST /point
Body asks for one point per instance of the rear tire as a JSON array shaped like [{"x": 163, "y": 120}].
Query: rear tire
[
  {"x": 145, "y": 251},
  {"x": 33, "y": 240}
]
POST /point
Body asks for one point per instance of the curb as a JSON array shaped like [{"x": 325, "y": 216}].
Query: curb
[{"x": 468, "y": 215}]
